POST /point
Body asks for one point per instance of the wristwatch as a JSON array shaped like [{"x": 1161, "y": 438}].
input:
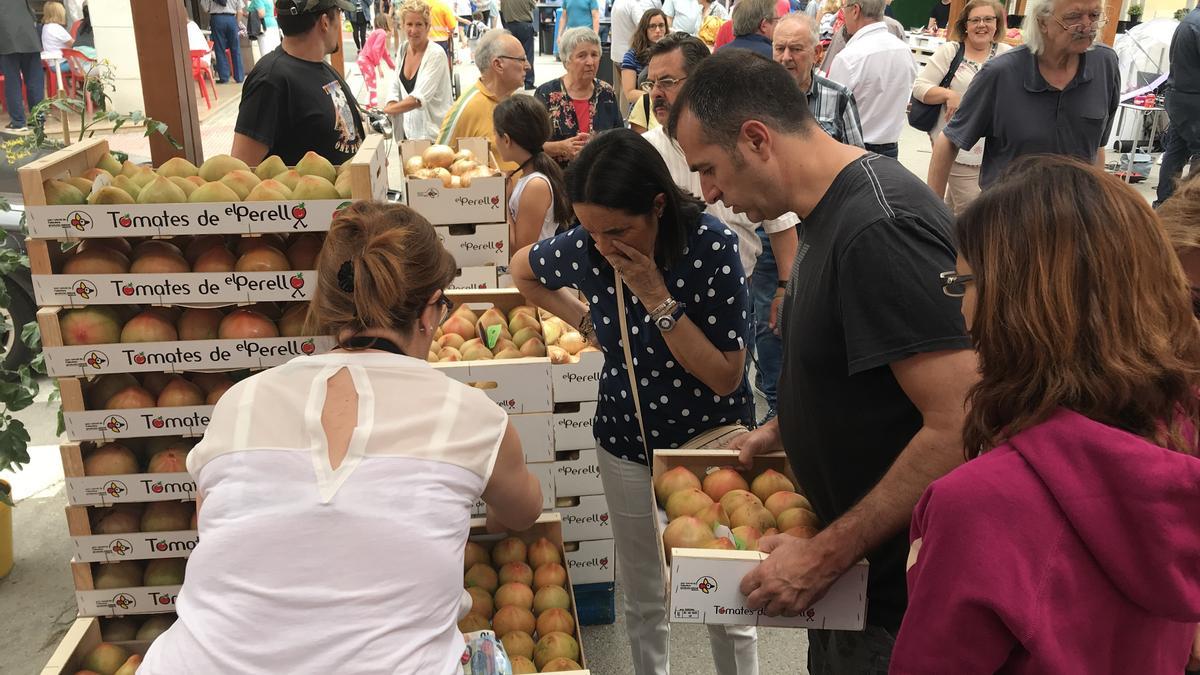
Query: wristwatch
[{"x": 667, "y": 314}]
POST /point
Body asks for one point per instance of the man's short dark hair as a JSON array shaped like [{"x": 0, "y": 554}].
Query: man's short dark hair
[
  {"x": 694, "y": 51},
  {"x": 293, "y": 25},
  {"x": 735, "y": 85}
]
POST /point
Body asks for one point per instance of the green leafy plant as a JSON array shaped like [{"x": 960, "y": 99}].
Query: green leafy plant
[
  {"x": 19, "y": 387},
  {"x": 1180, "y": 13},
  {"x": 99, "y": 82},
  {"x": 1135, "y": 12}
]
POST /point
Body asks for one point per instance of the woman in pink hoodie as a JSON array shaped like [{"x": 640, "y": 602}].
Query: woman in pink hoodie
[
  {"x": 1071, "y": 542},
  {"x": 373, "y": 52}
]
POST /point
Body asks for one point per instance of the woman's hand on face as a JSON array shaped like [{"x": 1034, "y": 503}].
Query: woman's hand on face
[{"x": 639, "y": 273}]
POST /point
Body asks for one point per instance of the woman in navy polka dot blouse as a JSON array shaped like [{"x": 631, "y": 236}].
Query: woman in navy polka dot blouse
[{"x": 687, "y": 308}]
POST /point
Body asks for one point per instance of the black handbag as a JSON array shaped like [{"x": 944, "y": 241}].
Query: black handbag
[
  {"x": 254, "y": 24},
  {"x": 923, "y": 116}
]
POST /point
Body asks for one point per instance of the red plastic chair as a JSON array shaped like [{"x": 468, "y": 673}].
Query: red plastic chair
[
  {"x": 75, "y": 29},
  {"x": 76, "y": 80},
  {"x": 51, "y": 79},
  {"x": 200, "y": 69}
]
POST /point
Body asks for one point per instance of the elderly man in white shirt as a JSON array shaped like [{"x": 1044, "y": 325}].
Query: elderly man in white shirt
[{"x": 880, "y": 70}]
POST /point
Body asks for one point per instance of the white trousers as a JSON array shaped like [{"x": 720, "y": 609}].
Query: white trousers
[
  {"x": 630, "y": 495},
  {"x": 268, "y": 41}
]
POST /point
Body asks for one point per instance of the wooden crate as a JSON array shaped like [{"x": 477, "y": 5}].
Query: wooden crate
[
  {"x": 548, "y": 525},
  {"x": 368, "y": 180},
  {"x": 123, "y": 601},
  {"x": 177, "y": 356},
  {"x": 87, "y": 423},
  {"x": 92, "y": 547},
  {"x": 83, "y": 490},
  {"x": 82, "y": 637}
]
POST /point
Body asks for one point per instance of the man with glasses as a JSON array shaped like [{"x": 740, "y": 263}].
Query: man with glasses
[
  {"x": 1056, "y": 94},
  {"x": 293, "y": 101},
  {"x": 880, "y": 70},
  {"x": 671, "y": 60},
  {"x": 876, "y": 361},
  {"x": 502, "y": 65}
]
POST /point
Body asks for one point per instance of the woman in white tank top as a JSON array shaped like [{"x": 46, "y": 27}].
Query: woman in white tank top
[
  {"x": 537, "y": 200},
  {"x": 335, "y": 490}
]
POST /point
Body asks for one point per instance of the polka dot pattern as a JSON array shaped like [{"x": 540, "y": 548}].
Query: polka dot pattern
[{"x": 708, "y": 279}]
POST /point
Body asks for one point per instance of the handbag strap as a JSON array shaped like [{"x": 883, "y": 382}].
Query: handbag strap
[
  {"x": 633, "y": 389},
  {"x": 954, "y": 64}
]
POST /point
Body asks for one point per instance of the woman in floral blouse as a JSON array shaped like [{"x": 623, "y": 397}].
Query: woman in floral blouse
[{"x": 579, "y": 104}]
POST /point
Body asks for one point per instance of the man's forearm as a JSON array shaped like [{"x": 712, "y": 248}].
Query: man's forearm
[
  {"x": 939, "y": 165},
  {"x": 887, "y": 508}
]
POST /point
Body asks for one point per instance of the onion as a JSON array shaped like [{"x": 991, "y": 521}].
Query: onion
[
  {"x": 464, "y": 180},
  {"x": 461, "y": 166},
  {"x": 424, "y": 174},
  {"x": 438, "y": 156},
  {"x": 573, "y": 342},
  {"x": 444, "y": 176},
  {"x": 413, "y": 165},
  {"x": 464, "y": 154},
  {"x": 455, "y": 182}
]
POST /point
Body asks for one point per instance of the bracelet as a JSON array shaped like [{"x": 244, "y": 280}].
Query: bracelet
[
  {"x": 783, "y": 283},
  {"x": 666, "y": 308}
]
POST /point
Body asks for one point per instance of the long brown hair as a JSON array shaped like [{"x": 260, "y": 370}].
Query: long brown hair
[
  {"x": 1080, "y": 304},
  {"x": 959, "y": 31},
  {"x": 640, "y": 44},
  {"x": 378, "y": 268}
]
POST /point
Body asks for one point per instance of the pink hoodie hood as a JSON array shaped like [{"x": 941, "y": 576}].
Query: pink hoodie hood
[{"x": 1133, "y": 504}]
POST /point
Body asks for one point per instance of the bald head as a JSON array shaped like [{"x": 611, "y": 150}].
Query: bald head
[{"x": 795, "y": 46}]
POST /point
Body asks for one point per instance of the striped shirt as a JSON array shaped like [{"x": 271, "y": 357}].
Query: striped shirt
[{"x": 834, "y": 107}]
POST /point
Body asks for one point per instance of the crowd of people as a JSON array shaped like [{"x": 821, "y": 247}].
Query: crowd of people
[{"x": 985, "y": 379}]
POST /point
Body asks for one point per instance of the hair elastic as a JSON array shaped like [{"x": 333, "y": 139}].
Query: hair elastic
[{"x": 345, "y": 277}]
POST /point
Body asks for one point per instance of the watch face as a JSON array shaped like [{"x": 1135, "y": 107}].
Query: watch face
[{"x": 666, "y": 323}]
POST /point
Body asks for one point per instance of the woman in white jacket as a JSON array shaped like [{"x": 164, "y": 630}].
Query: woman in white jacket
[{"x": 421, "y": 94}]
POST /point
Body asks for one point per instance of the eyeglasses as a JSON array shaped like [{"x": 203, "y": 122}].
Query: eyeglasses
[
  {"x": 667, "y": 83},
  {"x": 975, "y": 21},
  {"x": 518, "y": 59},
  {"x": 657, "y": 26},
  {"x": 447, "y": 306},
  {"x": 1073, "y": 23},
  {"x": 954, "y": 284}
]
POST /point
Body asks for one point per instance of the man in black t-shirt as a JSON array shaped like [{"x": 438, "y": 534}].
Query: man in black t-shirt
[
  {"x": 293, "y": 101},
  {"x": 876, "y": 361}
]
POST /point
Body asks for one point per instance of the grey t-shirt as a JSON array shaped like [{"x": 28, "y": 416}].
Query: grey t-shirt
[{"x": 1011, "y": 105}]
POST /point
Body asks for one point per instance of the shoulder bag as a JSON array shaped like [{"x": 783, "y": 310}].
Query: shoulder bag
[
  {"x": 923, "y": 116},
  {"x": 717, "y": 437}
]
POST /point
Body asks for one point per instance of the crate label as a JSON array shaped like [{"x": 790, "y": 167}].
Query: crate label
[
  {"x": 705, "y": 589},
  {"x": 573, "y": 430},
  {"x": 135, "y": 546},
  {"x": 122, "y": 601},
  {"x": 588, "y": 520},
  {"x": 475, "y": 245},
  {"x": 179, "y": 356},
  {"x": 593, "y": 562},
  {"x": 168, "y": 220},
  {"x": 112, "y": 425},
  {"x": 76, "y": 290},
  {"x": 578, "y": 477},
  {"x": 128, "y": 488},
  {"x": 577, "y": 382}
]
